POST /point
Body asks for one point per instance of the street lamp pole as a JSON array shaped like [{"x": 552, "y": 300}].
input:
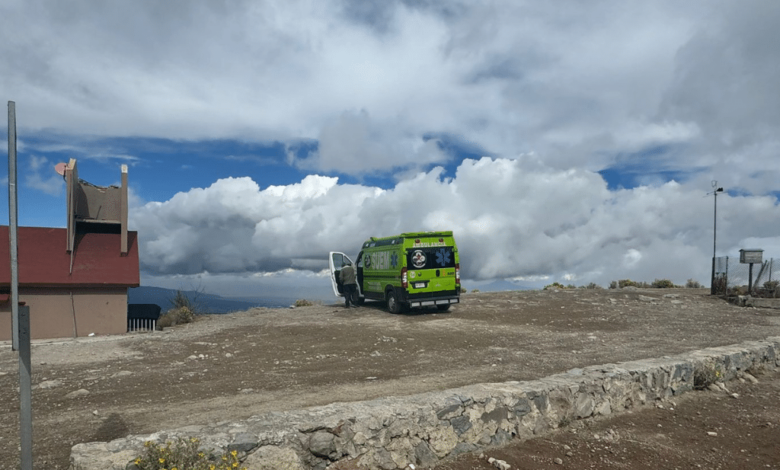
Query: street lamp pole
[{"x": 714, "y": 235}]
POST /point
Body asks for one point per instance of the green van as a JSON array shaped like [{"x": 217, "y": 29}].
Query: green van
[{"x": 414, "y": 269}]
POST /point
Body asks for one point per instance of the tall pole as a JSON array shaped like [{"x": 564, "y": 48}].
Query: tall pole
[
  {"x": 20, "y": 316},
  {"x": 12, "y": 226},
  {"x": 715, "y": 192}
]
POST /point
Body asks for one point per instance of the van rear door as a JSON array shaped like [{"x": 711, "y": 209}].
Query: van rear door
[{"x": 337, "y": 261}]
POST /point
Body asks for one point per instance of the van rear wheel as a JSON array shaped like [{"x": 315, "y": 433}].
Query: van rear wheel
[
  {"x": 393, "y": 306},
  {"x": 443, "y": 307}
]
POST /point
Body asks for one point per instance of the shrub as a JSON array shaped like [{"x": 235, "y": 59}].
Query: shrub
[
  {"x": 662, "y": 284},
  {"x": 183, "y": 454},
  {"x": 474, "y": 291},
  {"x": 593, "y": 285},
  {"x": 175, "y": 316},
  {"x": 693, "y": 284},
  {"x": 627, "y": 283},
  {"x": 705, "y": 375},
  {"x": 554, "y": 285},
  {"x": 303, "y": 303},
  {"x": 771, "y": 285},
  {"x": 613, "y": 285}
]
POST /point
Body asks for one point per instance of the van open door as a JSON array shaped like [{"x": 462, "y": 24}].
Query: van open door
[{"x": 337, "y": 261}]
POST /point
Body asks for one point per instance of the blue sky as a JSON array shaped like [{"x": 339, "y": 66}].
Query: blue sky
[{"x": 563, "y": 142}]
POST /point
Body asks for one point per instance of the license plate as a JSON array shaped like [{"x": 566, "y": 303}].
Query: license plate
[{"x": 419, "y": 285}]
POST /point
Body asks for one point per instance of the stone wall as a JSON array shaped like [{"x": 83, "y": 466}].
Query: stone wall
[{"x": 392, "y": 433}]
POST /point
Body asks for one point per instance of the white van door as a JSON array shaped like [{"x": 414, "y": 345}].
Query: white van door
[{"x": 337, "y": 261}]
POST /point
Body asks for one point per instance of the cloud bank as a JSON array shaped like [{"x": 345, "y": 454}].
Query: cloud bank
[
  {"x": 655, "y": 85},
  {"x": 513, "y": 218}
]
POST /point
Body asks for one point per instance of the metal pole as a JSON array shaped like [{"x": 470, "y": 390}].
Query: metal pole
[
  {"x": 25, "y": 389},
  {"x": 12, "y": 226},
  {"x": 714, "y": 242}
]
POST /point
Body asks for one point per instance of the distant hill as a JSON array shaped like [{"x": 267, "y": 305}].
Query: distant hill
[{"x": 208, "y": 303}]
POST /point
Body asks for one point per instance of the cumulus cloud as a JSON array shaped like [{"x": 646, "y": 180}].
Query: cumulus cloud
[
  {"x": 583, "y": 85},
  {"x": 513, "y": 218},
  {"x": 41, "y": 176}
]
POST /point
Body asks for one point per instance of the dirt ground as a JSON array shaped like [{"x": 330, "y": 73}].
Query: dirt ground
[{"x": 229, "y": 367}]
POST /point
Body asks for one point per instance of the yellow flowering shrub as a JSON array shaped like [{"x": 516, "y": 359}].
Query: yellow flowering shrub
[{"x": 183, "y": 454}]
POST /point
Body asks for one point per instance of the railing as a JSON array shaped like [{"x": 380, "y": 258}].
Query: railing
[{"x": 141, "y": 324}]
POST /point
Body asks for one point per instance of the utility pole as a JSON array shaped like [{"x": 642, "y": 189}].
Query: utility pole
[
  {"x": 714, "y": 234},
  {"x": 20, "y": 315}
]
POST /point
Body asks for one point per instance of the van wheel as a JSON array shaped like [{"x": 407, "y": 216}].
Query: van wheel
[
  {"x": 393, "y": 306},
  {"x": 443, "y": 308}
]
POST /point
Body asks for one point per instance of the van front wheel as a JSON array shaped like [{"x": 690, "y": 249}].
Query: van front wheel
[{"x": 393, "y": 306}]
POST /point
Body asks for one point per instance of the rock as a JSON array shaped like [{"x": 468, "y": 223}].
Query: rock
[
  {"x": 47, "y": 384},
  {"x": 274, "y": 458},
  {"x": 442, "y": 441},
  {"x": 462, "y": 448},
  {"x": 424, "y": 455},
  {"x": 750, "y": 378},
  {"x": 583, "y": 406},
  {"x": 322, "y": 444},
  {"x": 243, "y": 442},
  {"x": 122, "y": 373},
  {"x": 645, "y": 298},
  {"x": 77, "y": 394},
  {"x": 500, "y": 464},
  {"x": 558, "y": 461},
  {"x": 461, "y": 424},
  {"x": 712, "y": 433},
  {"x": 501, "y": 438},
  {"x": 735, "y": 395}
]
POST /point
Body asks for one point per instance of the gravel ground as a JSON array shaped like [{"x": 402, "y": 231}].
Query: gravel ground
[{"x": 229, "y": 367}]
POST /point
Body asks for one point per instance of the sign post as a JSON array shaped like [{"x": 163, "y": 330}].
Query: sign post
[{"x": 750, "y": 256}]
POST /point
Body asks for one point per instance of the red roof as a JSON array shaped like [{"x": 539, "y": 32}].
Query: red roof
[{"x": 43, "y": 260}]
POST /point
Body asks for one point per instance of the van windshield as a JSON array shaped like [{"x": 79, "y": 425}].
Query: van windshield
[{"x": 430, "y": 258}]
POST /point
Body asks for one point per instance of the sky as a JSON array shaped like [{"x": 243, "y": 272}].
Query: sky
[{"x": 566, "y": 141}]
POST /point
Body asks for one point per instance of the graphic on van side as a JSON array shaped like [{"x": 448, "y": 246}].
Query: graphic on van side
[
  {"x": 418, "y": 259},
  {"x": 442, "y": 257},
  {"x": 382, "y": 260}
]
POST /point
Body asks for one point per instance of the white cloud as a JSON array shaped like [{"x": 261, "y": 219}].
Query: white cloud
[
  {"x": 581, "y": 84},
  {"x": 512, "y": 219},
  {"x": 42, "y": 176}
]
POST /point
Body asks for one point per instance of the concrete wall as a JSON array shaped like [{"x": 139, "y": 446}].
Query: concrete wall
[
  {"x": 392, "y": 433},
  {"x": 67, "y": 313}
]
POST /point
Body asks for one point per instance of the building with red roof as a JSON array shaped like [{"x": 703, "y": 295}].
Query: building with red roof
[{"x": 74, "y": 279}]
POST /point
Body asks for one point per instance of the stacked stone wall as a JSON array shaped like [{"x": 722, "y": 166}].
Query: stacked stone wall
[{"x": 423, "y": 429}]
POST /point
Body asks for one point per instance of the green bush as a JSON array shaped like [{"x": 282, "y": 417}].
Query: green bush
[
  {"x": 593, "y": 285},
  {"x": 693, "y": 284},
  {"x": 662, "y": 284},
  {"x": 184, "y": 454},
  {"x": 554, "y": 285},
  {"x": 304, "y": 303},
  {"x": 175, "y": 316}
]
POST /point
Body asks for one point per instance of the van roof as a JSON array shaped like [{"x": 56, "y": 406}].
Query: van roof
[{"x": 447, "y": 233}]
